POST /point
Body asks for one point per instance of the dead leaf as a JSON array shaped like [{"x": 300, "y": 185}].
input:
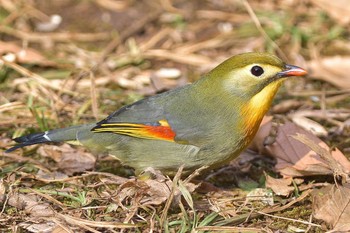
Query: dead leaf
[
  {"x": 30, "y": 204},
  {"x": 70, "y": 160},
  {"x": 157, "y": 193},
  {"x": 326, "y": 155},
  {"x": 206, "y": 187},
  {"x": 264, "y": 133},
  {"x": 332, "y": 70},
  {"x": 293, "y": 157},
  {"x": 332, "y": 205},
  {"x": 39, "y": 227},
  {"x": 50, "y": 176},
  {"x": 337, "y": 9},
  {"x": 24, "y": 55},
  {"x": 282, "y": 187},
  {"x": 151, "y": 191}
]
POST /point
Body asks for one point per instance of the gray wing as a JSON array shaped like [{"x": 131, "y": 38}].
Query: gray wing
[
  {"x": 147, "y": 110},
  {"x": 175, "y": 106}
]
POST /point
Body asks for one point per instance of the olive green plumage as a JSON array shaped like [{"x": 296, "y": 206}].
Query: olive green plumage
[{"x": 208, "y": 122}]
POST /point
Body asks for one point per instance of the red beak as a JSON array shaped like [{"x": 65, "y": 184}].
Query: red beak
[{"x": 291, "y": 70}]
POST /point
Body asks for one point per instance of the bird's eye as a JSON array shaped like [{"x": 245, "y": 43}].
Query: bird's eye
[{"x": 257, "y": 71}]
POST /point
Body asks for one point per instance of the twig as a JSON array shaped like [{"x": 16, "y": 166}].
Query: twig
[
  {"x": 171, "y": 196},
  {"x": 58, "y": 37},
  {"x": 134, "y": 28},
  {"x": 242, "y": 218},
  {"x": 75, "y": 220},
  {"x": 7, "y": 197},
  {"x": 261, "y": 29},
  {"x": 289, "y": 219},
  {"x": 93, "y": 94},
  {"x": 309, "y": 227},
  {"x": 155, "y": 39},
  {"x": 194, "y": 174},
  {"x": 191, "y": 59},
  {"x": 59, "y": 223},
  {"x": 78, "y": 223},
  {"x": 40, "y": 80},
  {"x": 281, "y": 208},
  {"x": 311, "y": 93},
  {"x": 112, "y": 5},
  {"x": 11, "y": 106}
]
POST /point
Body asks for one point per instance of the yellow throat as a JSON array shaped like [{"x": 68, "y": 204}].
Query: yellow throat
[{"x": 254, "y": 111}]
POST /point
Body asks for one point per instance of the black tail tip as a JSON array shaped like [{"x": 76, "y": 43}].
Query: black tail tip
[
  {"x": 28, "y": 140},
  {"x": 13, "y": 148}
]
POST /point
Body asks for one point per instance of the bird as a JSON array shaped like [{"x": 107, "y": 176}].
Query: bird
[{"x": 206, "y": 123}]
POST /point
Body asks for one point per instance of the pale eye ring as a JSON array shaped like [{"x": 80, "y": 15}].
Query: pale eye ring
[{"x": 257, "y": 71}]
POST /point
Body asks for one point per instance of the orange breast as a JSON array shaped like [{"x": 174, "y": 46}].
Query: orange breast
[{"x": 254, "y": 111}]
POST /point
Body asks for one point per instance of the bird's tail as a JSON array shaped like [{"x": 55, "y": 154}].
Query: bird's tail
[{"x": 56, "y": 135}]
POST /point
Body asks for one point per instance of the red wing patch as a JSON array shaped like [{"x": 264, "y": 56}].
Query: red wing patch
[{"x": 158, "y": 131}]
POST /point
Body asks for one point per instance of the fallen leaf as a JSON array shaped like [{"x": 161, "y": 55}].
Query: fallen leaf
[
  {"x": 293, "y": 157},
  {"x": 325, "y": 154},
  {"x": 281, "y": 187},
  {"x": 151, "y": 191},
  {"x": 30, "y": 204},
  {"x": 332, "y": 205},
  {"x": 264, "y": 133},
  {"x": 39, "y": 227},
  {"x": 332, "y": 70},
  {"x": 70, "y": 160},
  {"x": 50, "y": 176}
]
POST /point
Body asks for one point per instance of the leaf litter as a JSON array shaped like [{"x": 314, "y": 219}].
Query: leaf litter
[
  {"x": 164, "y": 45},
  {"x": 295, "y": 154},
  {"x": 332, "y": 205}
]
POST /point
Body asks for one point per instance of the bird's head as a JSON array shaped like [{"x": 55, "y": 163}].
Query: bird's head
[
  {"x": 247, "y": 83},
  {"x": 246, "y": 75}
]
